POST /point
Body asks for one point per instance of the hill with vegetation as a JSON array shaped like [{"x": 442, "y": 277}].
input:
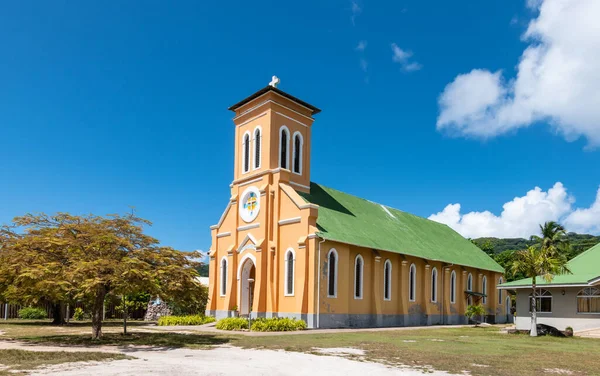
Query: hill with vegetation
[
  {"x": 579, "y": 243},
  {"x": 502, "y": 250}
]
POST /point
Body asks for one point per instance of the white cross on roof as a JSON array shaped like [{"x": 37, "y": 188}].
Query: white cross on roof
[{"x": 274, "y": 81}]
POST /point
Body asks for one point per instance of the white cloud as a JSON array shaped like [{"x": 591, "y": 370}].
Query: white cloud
[
  {"x": 585, "y": 220},
  {"x": 356, "y": 10},
  {"x": 402, "y": 57},
  {"x": 361, "y": 46},
  {"x": 364, "y": 65},
  {"x": 557, "y": 80},
  {"x": 522, "y": 216}
]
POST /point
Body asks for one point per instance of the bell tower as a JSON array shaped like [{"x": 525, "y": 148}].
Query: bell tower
[{"x": 273, "y": 135}]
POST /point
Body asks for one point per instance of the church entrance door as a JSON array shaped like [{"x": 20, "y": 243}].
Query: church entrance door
[{"x": 247, "y": 287}]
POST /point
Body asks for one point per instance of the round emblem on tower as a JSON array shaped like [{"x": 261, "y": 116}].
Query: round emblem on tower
[{"x": 250, "y": 204}]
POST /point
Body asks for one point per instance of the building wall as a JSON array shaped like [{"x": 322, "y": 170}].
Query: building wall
[
  {"x": 344, "y": 310},
  {"x": 564, "y": 311}
]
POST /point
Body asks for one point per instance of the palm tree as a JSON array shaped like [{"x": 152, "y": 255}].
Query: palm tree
[
  {"x": 538, "y": 262},
  {"x": 554, "y": 238}
]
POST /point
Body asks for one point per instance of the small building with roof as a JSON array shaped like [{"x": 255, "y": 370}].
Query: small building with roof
[
  {"x": 569, "y": 300},
  {"x": 288, "y": 247}
]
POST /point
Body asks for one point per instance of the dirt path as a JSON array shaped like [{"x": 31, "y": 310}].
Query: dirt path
[{"x": 222, "y": 360}]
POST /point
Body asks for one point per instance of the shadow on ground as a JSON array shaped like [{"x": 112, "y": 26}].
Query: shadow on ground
[{"x": 150, "y": 341}]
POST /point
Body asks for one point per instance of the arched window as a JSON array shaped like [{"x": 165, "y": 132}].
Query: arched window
[
  {"x": 387, "y": 280},
  {"x": 453, "y": 287},
  {"x": 484, "y": 289},
  {"x": 223, "y": 276},
  {"x": 358, "y": 277},
  {"x": 543, "y": 301},
  {"x": 588, "y": 300},
  {"x": 499, "y": 292},
  {"x": 332, "y": 261},
  {"x": 284, "y": 138},
  {"x": 246, "y": 153},
  {"x": 412, "y": 283},
  {"x": 298, "y": 146},
  {"x": 434, "y": 278},
  {"x": 257, "y": 147},
  {"x": 470, "y": 288},
  {"x": 290, "y": 258}
]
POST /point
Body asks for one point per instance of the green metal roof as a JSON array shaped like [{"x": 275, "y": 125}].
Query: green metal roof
[
  {"x": 584, "y": 268},
  {"x": 353, "y": 220}
]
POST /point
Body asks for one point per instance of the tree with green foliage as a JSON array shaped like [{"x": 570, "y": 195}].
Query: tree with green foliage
[
  {"x": 474, "y": 311},
  {"x": 534, "y": 262},
  {"x": 554, "y": 238},
  {"x": 87, "y": 258}
]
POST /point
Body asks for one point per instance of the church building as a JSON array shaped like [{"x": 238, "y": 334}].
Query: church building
[{"x": 289, "y": 247}]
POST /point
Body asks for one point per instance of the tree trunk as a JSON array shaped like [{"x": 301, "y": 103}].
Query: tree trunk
[
  {"x": 533, "y": 331},
  {"x": 125, "y": 313},
  {"x": 97, "y": 313},
  {"x": 58, "y": 317}
]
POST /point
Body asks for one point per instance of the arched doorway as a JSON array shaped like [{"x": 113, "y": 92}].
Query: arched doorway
[{"x": 247, "y": 278}]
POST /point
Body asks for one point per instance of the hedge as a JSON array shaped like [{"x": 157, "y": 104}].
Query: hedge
[
  {"x": 233, "y": 323},
  {"x": 31, "y": 313},
  {"x": 281, "y": 324},
  {"x": 185, "y": 320}
]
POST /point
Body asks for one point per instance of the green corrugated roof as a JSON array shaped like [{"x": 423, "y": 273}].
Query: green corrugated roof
[
  {"x": 584, "y": 268},
  {"x": 353, "y": 220}
]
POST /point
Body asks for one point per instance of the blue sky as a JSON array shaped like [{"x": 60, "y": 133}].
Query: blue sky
[{"x": 107, "y": 106}]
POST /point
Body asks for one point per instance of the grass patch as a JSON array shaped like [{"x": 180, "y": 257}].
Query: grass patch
[
  {"x": 16, "y": 361},
  {"x": 482, "y": 351}
]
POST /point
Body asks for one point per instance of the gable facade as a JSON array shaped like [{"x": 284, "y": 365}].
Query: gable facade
[{"x": 271, "y": 257}]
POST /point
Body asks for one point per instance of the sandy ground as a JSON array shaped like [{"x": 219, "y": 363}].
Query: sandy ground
[{"x": 222, "y": 360}]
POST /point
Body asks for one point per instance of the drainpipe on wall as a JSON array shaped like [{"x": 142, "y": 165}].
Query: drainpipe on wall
[{"x": 319, "y": 283}]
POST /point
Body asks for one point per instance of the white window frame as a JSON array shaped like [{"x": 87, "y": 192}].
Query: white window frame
[
  {"x": 386, "y": 264},
  {"x": 484, "y": 290},
  {"x": 297, "y": 151},
  {"x": 335, "y": 270},
  {"x": 223, "y": 275},
  {"x": 412, "y": 283},
  {"x": 362, "y": 277},
  {"x": 247, "y": 133},
  {"x": 287, "y": 155},
  {"x": 470, "y": 288},
  {"x": 540, "y": 296},
  {"x": 593, "y": 296},
  {"x": 434, "y": 283},
  {"x": 453, "y": 287},
  {"x": 286, "y": 275},
  {"x": 499, "y": 291},
  {"x": 257, "y": 141}
]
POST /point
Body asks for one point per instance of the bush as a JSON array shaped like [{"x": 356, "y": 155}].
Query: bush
[
  {"x": 475, "y": 311},
  {"x": 282, "y": 324},
  {"x": 78, "y": 314},
  {"x": 185, "y": 320},
  {"x": 233, "y": 323},
  {"x": 31, "y": 313}
]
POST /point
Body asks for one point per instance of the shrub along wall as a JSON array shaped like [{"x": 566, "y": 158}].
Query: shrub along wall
[
  {"x": 185, "y": 320},
  {"x": 283, "y": 324}
]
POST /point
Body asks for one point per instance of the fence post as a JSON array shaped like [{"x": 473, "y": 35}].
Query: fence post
[{"x": 5, "y": 311}]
